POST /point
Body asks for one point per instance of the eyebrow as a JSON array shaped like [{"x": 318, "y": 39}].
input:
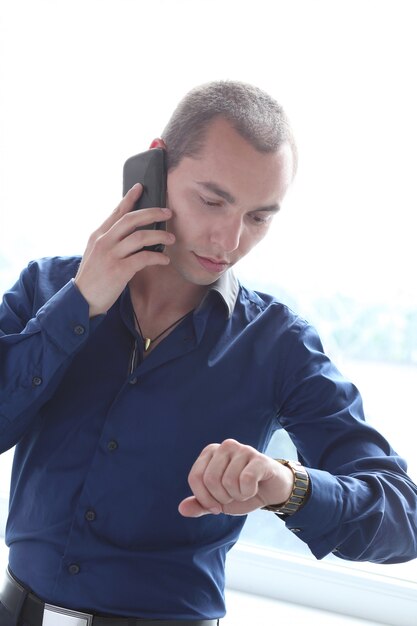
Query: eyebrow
[
  {"x": 214, "y": 188},
  {"x": 218, "y": 191}
]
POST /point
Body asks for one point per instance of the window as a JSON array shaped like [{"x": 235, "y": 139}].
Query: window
[{"x": 85, "y": 85}]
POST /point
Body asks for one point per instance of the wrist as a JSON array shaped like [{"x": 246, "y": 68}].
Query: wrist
[
  {"x": 299, "y": 492},
  {"x": 93, "y": 311}
]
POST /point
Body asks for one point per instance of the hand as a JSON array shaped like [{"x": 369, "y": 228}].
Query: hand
[
  {"x": 113, "y": 254},
  {"x": 235, "y": 479}
]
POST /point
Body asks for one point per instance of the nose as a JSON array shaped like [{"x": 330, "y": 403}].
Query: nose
[{"x": 226, "y": 233}]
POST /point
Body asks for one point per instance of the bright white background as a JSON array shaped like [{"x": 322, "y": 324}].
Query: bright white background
[{"x": 84, "y": 84}]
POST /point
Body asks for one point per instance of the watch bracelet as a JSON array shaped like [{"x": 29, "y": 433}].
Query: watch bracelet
[{"x": 299, "y": 492}]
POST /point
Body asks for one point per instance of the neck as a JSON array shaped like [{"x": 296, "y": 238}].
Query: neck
[
  {"x": 154, "y": 290},
  {"x": 160, "y": 301}
]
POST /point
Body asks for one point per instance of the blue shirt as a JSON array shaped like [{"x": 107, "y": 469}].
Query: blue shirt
[{"x": 105, "y": 442}]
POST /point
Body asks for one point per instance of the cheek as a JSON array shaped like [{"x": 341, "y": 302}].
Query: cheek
[
  {"x": 186, "y": 224},
  {"x": 249, "y": 239}
]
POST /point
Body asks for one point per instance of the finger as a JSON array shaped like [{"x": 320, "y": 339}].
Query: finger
[
  {"x": 222, "y": 475},
  {"x": 212, "y": 480},
  {"x": 197, "y": 482},
  {"x": 250, "y": 477},
  {"x": 143, "y": 217},
  {"x": 135, "y": 220},
  {"x": 137, "y": 262},
  {"x": 127, "y": 225},
  {"x": 244, "y": 507},
  {"x": 239, "y": 478},
  {"x": 136, "y": 241},
  {"x": 125, "y": 206}
]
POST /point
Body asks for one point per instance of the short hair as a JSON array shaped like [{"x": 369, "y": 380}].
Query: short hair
[{"x": 253, "y": 113}]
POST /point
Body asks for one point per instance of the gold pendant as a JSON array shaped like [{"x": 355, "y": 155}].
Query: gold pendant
[{"x": 147, "y": 343}]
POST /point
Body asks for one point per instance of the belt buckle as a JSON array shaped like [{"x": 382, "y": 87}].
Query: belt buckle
[{"x": 58, "y": 616}]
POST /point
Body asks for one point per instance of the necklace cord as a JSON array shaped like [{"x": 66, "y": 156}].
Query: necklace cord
[{"x": 147, "y": 341}]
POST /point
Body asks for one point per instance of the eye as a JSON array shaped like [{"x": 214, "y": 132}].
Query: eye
[
  {"x": 260, "y": 218},
  {"x": 207, "y": 202}
]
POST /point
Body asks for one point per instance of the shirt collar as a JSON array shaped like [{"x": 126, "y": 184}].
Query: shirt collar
[{"x": 227, "y": 286}]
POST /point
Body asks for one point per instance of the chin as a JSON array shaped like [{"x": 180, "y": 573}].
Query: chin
[
  {"x": 192, "y": 273},
  {"x": 201, "y": 281},
  {"x": 198, "y": 277}
]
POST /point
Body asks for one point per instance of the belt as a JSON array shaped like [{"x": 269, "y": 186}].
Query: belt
[{"x": 24, "y": 605}]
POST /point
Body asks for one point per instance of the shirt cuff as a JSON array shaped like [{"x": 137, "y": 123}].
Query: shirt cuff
[
  {"x": 318, "y": 519},
  {"x": 65, "y": 318}
]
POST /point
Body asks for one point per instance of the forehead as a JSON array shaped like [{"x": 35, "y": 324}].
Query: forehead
[{"x": 231, "y": 162}]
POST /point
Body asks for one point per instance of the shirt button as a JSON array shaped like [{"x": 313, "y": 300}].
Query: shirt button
[
  {"x": 90, "y": 516},
  {"x": 36, "y": 381},
  {"x": 133, "y": 380},
  {"x": 79, "y": 330},
  {"x": 74, "y": 568},
  {"x": 112, "y": 445},
  {"x": 295, "y": 530}
]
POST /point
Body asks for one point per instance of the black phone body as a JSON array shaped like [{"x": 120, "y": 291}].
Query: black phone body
[{"x": 148, "y": 168}]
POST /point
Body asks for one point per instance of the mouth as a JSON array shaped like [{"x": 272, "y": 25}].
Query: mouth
[{"x": 214, "y": 266}]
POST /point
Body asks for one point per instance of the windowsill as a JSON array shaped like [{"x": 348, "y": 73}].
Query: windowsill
[
  {"x": 341, "y": 588},
  {"x": 246, "y": 609}
]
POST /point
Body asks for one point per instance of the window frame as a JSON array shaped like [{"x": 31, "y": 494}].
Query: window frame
[{"x": 353, "y": 589}]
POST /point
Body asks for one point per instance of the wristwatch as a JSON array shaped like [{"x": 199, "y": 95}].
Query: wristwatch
[{"x": 299, "y": 493}]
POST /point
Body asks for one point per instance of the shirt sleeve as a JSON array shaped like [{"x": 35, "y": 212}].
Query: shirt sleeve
[
  {"x": 42, "y": 326},
  {"x": 362, "y": 505}
]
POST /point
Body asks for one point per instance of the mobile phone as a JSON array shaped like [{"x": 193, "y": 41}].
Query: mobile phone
[{"x": 148, "y": 168}]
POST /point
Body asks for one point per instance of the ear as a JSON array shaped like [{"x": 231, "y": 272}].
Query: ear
[{"x": 158, "y": 143}]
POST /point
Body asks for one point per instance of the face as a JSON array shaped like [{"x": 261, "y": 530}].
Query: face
[{"x": 223, "y": 201}]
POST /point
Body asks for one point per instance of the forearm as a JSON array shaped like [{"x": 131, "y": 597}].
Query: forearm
[
  {"x": 34, "y": 359},
  {"x": 367, "y": 516},
  {"x": 362, "y": 503}
]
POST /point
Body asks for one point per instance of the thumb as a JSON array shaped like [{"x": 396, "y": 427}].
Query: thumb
[{"x": 190, "y": 507}]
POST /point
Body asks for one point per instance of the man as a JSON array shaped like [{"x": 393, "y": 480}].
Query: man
[{"x": 141, "y": 389}]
